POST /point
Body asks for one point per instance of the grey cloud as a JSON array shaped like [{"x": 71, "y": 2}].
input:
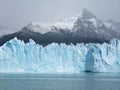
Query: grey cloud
[{"x": 15, "y": 14}]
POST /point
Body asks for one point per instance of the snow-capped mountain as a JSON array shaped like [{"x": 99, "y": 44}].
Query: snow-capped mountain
[
  {"x": 84, "y": 27},
  {"x": 85, "y": 24},
  {"x": 66, "y": 24}
]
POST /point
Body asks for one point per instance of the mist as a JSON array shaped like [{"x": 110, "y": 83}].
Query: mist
[{"x": 15, "y": 14}]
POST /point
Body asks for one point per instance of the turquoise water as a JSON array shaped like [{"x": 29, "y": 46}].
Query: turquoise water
[{"x": 83, "y": 81}]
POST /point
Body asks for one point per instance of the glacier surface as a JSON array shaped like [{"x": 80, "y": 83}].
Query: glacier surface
[{"x": 18, "y": 57}]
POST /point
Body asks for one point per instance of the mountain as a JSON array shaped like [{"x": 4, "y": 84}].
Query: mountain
[{"x": 84, "y": 27}]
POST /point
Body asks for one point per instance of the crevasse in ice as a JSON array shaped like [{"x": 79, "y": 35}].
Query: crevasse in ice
[{"x": 18, "y": 57}]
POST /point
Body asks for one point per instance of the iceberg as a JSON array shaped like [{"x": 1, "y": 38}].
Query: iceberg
[{"x": 19, "y": 57}]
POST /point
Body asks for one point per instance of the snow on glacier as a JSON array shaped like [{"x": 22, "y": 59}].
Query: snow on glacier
[{"x": 16, "y": 56}]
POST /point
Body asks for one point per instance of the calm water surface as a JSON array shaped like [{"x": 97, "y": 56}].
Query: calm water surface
[{"x": 83, "y": 81}]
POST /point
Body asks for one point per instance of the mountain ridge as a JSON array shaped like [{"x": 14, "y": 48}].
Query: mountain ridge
[{"x": 84, "y": 27}]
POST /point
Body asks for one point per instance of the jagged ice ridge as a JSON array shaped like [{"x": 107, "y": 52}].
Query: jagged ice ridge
[{"x": 18, "y": 57}]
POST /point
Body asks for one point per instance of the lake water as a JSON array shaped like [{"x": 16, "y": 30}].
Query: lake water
[{"x": 83, "y": 81}]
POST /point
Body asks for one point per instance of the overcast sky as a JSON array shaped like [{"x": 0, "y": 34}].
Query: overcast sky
[{"x": 14, "y": 14}]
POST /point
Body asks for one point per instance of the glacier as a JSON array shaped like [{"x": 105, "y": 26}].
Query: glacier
[{"x": 19, "y": 57}]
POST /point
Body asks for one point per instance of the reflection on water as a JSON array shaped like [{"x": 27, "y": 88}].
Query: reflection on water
[{"x": 83, "y": 81}]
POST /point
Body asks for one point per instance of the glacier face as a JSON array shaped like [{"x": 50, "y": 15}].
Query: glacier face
[{"x": 18, "y": 57}]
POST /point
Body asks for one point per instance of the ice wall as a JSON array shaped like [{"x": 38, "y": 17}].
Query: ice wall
[{"x": 17, "y": 57}]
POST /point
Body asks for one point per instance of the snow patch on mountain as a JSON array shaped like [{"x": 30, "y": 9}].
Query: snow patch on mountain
[
  {"x": 39, "y": 27},
  {"x": 66, "y": 24},
  {"x": 42, "y": 28}
]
